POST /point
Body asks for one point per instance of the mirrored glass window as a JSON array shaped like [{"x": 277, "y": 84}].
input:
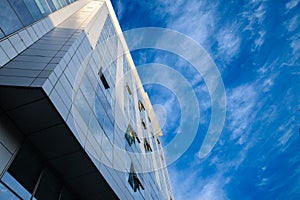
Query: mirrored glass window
[
  {"x": 5, "y": 193},
  {"x": 57, "y": 4},
  {"x": 14, "y": 185},
  {"x": 22, "y": 11},
  {"x": 51, "y": 5},
  {"x": 9, "y": 20},
  {"x": 43, "y": 6},
  {"x": 63, "y": 2},
  {"x": 33, "y": 9}
]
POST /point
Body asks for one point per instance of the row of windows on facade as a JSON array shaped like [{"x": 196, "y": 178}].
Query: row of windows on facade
[
  {"x": 140, "y": 104},
  {"x": 131, "y": 137},
  {"x": 17, "y": 14},
  {"x": 134, "y": 180}
]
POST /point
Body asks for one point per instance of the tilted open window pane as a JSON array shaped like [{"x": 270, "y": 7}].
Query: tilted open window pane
[
  {"x": 147, "y": 146},
  {"x": 158, "y": 142},
  {"x": 144, "y": 124},
  {"x": 133, "y": 180},
  {"x": 141, "y": 106},
  {"x": 128, "y": 89},
  {"x": 131, "y": 136},
  {"x": 103, "y": 79}
]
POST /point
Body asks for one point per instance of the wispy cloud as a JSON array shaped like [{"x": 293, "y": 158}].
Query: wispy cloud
[
  {"x": 286, "y": 131},
  {"x": 120, "y": 9},
  {"x": 263, "y": 182},
  {"x": 228, "y": 42},
  {"x": 200, "y": 22},
  {"x": 295, "y": 45},
  {"x": 292, "y": 36},
  {"x": 254, "y": 14},
  {"x": 241, "y": 108},
  {"x": 252, "y": 107},
  {"x": 292, "y": 23},
  {"x": 291, "y": 4},
  {"x": 211, "y": 188}
]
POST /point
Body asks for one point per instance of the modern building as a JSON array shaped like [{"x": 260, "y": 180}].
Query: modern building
[{"x": 75, "y": 121}]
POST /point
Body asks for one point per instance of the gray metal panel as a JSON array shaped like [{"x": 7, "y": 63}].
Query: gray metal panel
[
  {"x": 50, "y": 144},
  {"x": 35, "y": 116},
  {"x": 5, "y": 157},
  {"x": 12, "y": 97}
]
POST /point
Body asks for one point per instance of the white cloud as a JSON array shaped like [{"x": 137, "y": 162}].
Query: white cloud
[
  {"x": 187, "y": 185},
  {"x": 292, "y": 23},
  {"x": 292, "y": 35},
  {"x": 241, "y": 102},
  {"x": 228, "y": 42},
  {"x": 213, "y": 190},
  {"x": 268, "y": 83},
  {"x": 254, "y": 13},
  {"x": 295, "y": 45},
  {"x": 196, "y": 19},
  {"x": 287, "y": 132},
  {"x": 291, "y": 4},
  {"x": 259, "y": 40},
  {"x": 263, "y": 182},
  {"x": 120, "y": 8},
  {"x": 204, "y": 101}
]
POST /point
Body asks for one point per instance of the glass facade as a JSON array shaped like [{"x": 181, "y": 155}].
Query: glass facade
[
  {"x": 95, "y": 108},
  {"x": 97, "y": 96},
  {"x": 16, "y": 14},
  {"x": 11, "y": 189}
]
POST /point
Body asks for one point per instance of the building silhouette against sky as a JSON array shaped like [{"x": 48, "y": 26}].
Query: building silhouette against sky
[{"x": 75, "y": 122}]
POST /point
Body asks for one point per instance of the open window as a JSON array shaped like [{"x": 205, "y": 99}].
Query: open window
[
  {"x": 141, "y": 106},
  {"x": 147, "y": 146},
  {"x": 134, "y": 180},
  {"x": 158, "y": 141},
  {"x": 144, "y": 124},
  {"x": 131, "y": 136},
  {"x": 128, "y": 89},
  {"x": 103, "y": 79}
]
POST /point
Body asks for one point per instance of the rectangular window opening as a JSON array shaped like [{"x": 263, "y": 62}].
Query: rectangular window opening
[
  {"x": 147, "y": 146},
  {"x": 141, "y": 106},
  {"x": 144, "y": 124},
  {"x": 134, "y": 180},
  {"x": 103, "y": 79},
  {"x": 157, "y": 140},
  {"x": 131, "y": 136},
  {"x": 128, "y": 89}
]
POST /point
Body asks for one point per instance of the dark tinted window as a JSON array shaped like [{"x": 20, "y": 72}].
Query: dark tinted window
[
  {"x": 51, "y": 5},
  {"x": 9, "y": 20},
  {"x": 57, "y": 4},
  {"x": 63, "y": 2},
  {"x": 22, "y": 11},
  {"x": 43, "y": 6},
  {"x": 33, "y": 9}
]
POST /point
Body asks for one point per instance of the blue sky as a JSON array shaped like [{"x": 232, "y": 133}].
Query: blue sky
[{"x": 256, "y": 47}]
